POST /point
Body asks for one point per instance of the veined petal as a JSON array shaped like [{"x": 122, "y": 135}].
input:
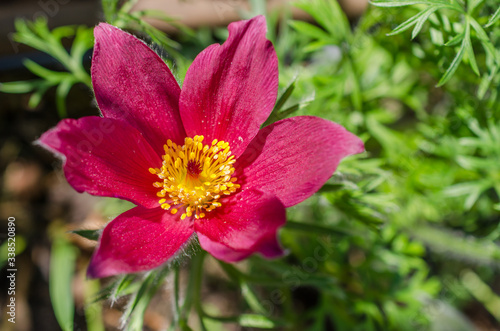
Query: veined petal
[
  {"x": 139, "y": 239},
  {"x": 132, "y": 83},
  {"x": 230, "y": 89},
  {"x": 245, "y": 223},
  {"x": 294, "y": 157},
  {"x": 105, "y": 157}
]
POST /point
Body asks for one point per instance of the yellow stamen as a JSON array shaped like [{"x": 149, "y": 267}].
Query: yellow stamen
[{"x": 194, "y": 176}]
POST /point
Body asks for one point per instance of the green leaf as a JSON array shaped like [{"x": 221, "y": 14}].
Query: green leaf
[
  {"x": 109, "y": 8},
  {"x": 285, "y": 96},
  {"x": 127, "y": 6},
  {"x": 290, "y": 110},
  {"x": 177, "y": 291},
  {"x": 400, "y": 3},
  {"x": 493, "y": 19},
  {"x": 49, "y": 75},
  {"x": 309, "y": 30},
  {"x": 472, "y": 4},
  {"x": 482, "y": 292},
  {"x": 17, "y": 87},
  {"x": 62, "y": 267},
  {"x": 56, "y": 34},
  {"x": 485, "y": 40},
  {"x": 83, "y": 41},
  {"x": 160, "y": 15},
  {"x": 436, "y": 36},
  {"x": 330, "y": 17},
  {"x": 124, "y": 286},
  {"x": 397, "y": 3},
  {"x": 258, "y": 321},
  {"x": 136, "y": 21},
  {"x": 25, "y": 35},
  {"x": 476, "y": 163},
  {"x": 20, "y": 86},
  {"x": 37, "y": 35},
  {"x": 455, "y": 40},
  {"x": 134, "y": 314},
  {"x": 93, "y": 310},
  {"x": 471, "y": 189},
  {"x": 139, "y": 304},
  {"x": 418, "y": 20},
  {"x": 453, "y": 244},
  {"x": 251, "y": 298},
  {"x": 145, "y": 284},
  {"x": 486, "y": 82},
  {"x": 469, "y": 50},
  {"x": 61, "y": 94},
  {"x": 273, "y": 117},
  {"x": 37, "y": 96},
  {"x": 453, "y": 66},
  {"x": 88, "y": 234}
]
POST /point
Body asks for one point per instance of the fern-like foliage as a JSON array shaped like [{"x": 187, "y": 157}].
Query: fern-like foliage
[{"x": 460, "y": 34}]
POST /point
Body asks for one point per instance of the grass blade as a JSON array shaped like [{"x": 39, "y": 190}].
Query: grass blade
[
  {"x": 420, "y": 22},
  {"x": 493, "y": 19},
  {"x": 453, "y": 66},
  {"x": 62, "y": 267},
  {"x": 469, "y": 50}
]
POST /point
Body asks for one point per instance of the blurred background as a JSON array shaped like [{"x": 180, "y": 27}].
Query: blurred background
[{"x": 411, "y": 227}]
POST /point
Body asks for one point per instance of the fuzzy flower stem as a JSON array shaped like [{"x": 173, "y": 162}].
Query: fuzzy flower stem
[
  {"x": 194, "y": 285},
  {"x": 177, "y": 308},
  {"x": 198, "y": 279}
]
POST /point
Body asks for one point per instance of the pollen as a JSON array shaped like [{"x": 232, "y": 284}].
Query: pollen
[{"x": 193, "y": 177}]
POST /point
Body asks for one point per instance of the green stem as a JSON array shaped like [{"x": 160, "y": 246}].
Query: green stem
[
  {"x": 198, "y": 279},
  {"x": 176, "y": 294},
  {"x": 193, "y": 290}
]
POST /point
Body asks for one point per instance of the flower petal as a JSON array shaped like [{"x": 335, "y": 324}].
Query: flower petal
[
  {"x": 105, "y": 157},
  {"x": 131, "y": 82},
  {"x": 230, "y": 89},
  {"x": 139, "y": 239},
  {"x": 245, "y": 223},
  {"x": 294, "y": 157},
  {"x": 268, "y": 247}
]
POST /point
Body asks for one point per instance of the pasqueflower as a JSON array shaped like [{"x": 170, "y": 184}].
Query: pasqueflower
[{"x": 193, "y": 160}]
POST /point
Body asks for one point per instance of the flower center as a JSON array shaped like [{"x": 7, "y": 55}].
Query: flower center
[{"x": 195, "y": 176}]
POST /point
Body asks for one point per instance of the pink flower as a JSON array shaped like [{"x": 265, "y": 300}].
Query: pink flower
[{"x": 193, "y": 160}]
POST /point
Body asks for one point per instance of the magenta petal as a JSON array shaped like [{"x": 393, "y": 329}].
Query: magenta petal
[
  {"x": 139, "y": 239},
  {"x": 230, "y": 89},
  {"x": 131, "y": 82},
  {"x": 268, "y": 247},
  {"x": 220, "y": 251},
  {"x": 105, "y": 157},
  {"x": 294, "y": 157},
  {"x": 246, "y": 223}
]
